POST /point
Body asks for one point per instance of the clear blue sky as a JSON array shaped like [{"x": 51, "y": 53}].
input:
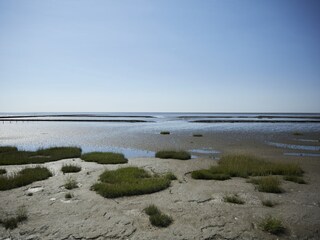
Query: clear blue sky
[{"x": 213, "y": 56}]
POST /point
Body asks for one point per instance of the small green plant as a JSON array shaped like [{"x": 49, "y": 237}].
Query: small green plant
[
  {"x": 295, "y": 179},
  {"x": 269, "y": 184},
  {"x": 171, "y": 176},
  {"x": 70, "y": 183},
  {"x": 129, "y": 181},
  {"x": 104, "y": 157},
  {"x": 152, "y": 210},
  {"x": 68, "y": 195},
  {"x": 29, "y": 194},
  {"x": 164, "y": 133},
  {"x": 197, "y": 135},
  {"x": 157, "y": 218},
  {"x": 181, "y": 155},
  {"x": 269, "y": 203},
  {"x": 233, "y": 199},
  {"x": 208, "y": 175},
  {"x": 24, "y": 177},
  {"x": 12, "y": 222},
  {"x": 3, "y": 171},
  {"x": 272, "y": 225},
  {"x": 70, "y": 168}
]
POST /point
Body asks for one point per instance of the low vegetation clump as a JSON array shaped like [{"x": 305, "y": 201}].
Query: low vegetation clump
[
  {"x": 269, "y": 203},
  {"x": 246, "y": 166},
  {"x": 272, "y": 225},
  {"x": 295, "y": 179},
  {"x": 181, "y": 155},
  {"x": 171, "y": 176},
  {"x": 129, "y": 181},
  {"x": 233, "y": 199},
  {"x": 12, "y": 222},
  {"x": 297, "y": 133},
  {"x": 209, "y": 175},
  {"x": 104, "y": 157},
  {"x": 164, "y": 133},
  {"x": 68, "y": 195},
  {"x": 13, "y": 156},
  {"x": 197, "y": 135},
  {"x": 157, "y": 218},
  {"x": 70, "y": 168},
  {"x": 2, "y": 171},
  {"x": 70, "y": 183},
  {"x": 24, "y": 177},
  {"x": 269, "y": 184}
]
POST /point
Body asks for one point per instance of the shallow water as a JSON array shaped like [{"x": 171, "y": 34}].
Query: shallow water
[{"x": 297, "y": 147}]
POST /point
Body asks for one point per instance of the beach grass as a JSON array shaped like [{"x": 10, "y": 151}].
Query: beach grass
[
  {"x": 269, "y": 184},
  {"x": 295, "y": 179},
  {"x": 181, "y": 155},
  {"x": 245, "y": 166},
  {"x": 70, "y": 168},
  {"x": 269, "y": 203},
  {"x": 156, "y": 217},
  {"x": 104, "y": 157},
  {"x": 165, "y": 133},
  {"x": 24, "y": 177},
  {"x": 70, "y": 183},
  {"x": 12, "y": 222},
  {"x": 272, "y": 225},
  {"x": 208, "y": 175},
  {"x": 13, "y": 156},
  {"x": 170, "y": 176},
  {"x": 233, "y": 199},
  {"x": 129, "y": 181},
  {"x": 3, "y": 171}
]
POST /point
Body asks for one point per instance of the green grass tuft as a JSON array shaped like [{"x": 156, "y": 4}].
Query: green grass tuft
[
  {"x": 208, "y": 175},
  {"x": 68, "y": 195},
  {"x": 171, "y": 176},
  {"x": 3, "y": 171},
  {"x": 129, "y": 181},
  {"x": 233, "y": 199},
  {"x": 152, "y": 210},
  {"x": 12, "y": 156},
  {"x": 156, "y": 217},
  {"x": 272, "y": 225},
  {"x": 297, "y": 133},
  {"x": 12, "y": 222},
  {"x": 181, "y": 155},
  {"x": 70, "y": 183},
  {"x": 269, "y": 184},
  {"x": 164, "y": 133},
  {"x": 70, "y": 168},
  {"x": 295, "y": 179},
  {"x": 104, "y": 157},
  {"x": 269, "y": 203},
  {"x": 24, "y": 177}
]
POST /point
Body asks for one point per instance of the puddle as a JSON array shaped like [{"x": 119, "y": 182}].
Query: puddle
[
  {"x": 307, "y": 140},
  {"x": 128, "y": 152},
  {"x": 297, "y": 147},
  {"x": 35, "y": 189},
  {"x": 303, "y": 154},
  {"x": 204, "y": 151}
]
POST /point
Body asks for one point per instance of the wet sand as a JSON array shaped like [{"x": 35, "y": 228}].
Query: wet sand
[{"x": 196, "y": 206}]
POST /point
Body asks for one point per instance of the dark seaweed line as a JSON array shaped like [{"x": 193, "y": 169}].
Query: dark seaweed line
[
  {"x": 71, "y": 120},
  {"x": 255, "y": 121}
]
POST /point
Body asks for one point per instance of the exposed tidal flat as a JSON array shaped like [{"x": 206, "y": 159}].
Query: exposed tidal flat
[{"x": 196, "y": 208}]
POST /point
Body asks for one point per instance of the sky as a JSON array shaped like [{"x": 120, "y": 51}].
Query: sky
[{"x": 159, "y": 56}]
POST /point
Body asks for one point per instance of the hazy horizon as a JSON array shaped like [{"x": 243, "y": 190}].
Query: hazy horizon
[{"x": 160, "y": 56}]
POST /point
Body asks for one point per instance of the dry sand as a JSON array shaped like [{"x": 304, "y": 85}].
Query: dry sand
[{"x": 196, "y": 206}]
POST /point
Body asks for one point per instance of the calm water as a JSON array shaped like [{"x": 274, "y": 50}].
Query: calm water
[{"x": 17, "y": 130}]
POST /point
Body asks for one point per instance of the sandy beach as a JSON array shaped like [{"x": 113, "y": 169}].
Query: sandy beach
[{"x": 196, "y": 206}]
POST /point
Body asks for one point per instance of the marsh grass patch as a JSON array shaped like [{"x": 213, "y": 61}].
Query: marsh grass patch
[
  {"x": 12, "y": 222},
  {"x": 180, "y": 155},
  {"x": 233, "y": 199},
  {"x": 272, "y": 225},
  {"x": 129, "y": 181},
  {"x": 269, "y": 203},
  {"x": 104, "y": 157},
  {"x": 3, "y": 171},
  {"x": 13, "y": 156},
  {"x": 295, "y": 179},
  {"x": 70, "y": 168},
  {"x": 68, "y": 195},
  {"x": 170, "y": 176},
  {"x": 70, "y": 183},
  {"x": 197, "y": 135},
  {"x": 24, "y": 177},
  {"x": 156, "y": 217},
  {"x": 269, "y": 184},
  {"x": 165, "y": 133}
]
